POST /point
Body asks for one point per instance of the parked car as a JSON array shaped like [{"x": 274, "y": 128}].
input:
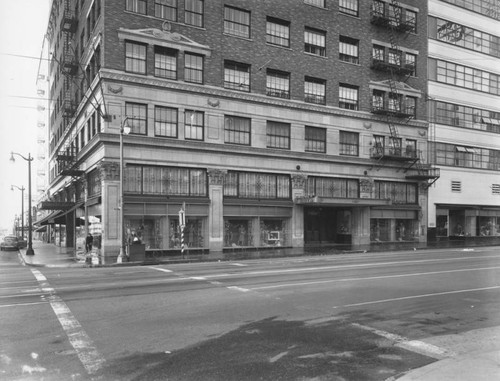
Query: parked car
[{"x": 9, "y": 242}]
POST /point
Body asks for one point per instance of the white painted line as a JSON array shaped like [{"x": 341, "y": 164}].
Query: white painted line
[
  {"x": 238, "y": 264},
  {"x": 371, "y": 278},
  {"x": 91, "y": 359},
  {"x": 419, "y": 296},
  {"x": 341, "y": 267},
  {"x": 416, "y": 346},
  {"x": 21, "y": 304},
  {"x": 160, "y": 269},
  {"x": 198, "y": 277},
  {"x": 236, "y": 288}
]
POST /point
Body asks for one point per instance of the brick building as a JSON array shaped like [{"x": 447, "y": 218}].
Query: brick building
[{"x": 271, "y": 123}]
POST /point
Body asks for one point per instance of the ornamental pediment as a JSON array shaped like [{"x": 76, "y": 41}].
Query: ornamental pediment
[
  {"x": 401, "y": 87},
  {"x": 165, "y": 38}
]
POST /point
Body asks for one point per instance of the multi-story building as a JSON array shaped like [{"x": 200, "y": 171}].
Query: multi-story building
[
  {"x": 270, "y": 123},
  {"x": 464, "y": 116}
]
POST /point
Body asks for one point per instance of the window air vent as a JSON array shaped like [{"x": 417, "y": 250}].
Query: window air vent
[
  {"x": 495, "y": 189},
  {"x": 456, "y": 186}
]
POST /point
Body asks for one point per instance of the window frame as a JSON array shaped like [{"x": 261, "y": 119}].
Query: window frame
[
  {"x": 137, "y": 114},
  {"x": 192, "y": 15},
  {"x": 315, "y": 41},
  {"x": 275, "y": 38},
  {"x": 166, "y": 124},
  {"x": 349, "y": 7},
  {"x": 240, "y": 72},
  {"x": 244, "y": 30},
  {"x": 136, "y": 6},
  {"x": 348, "y": 143},
  {"x": 281, "y": 84},
  {"x": 237, "y": 133},
  {"x": 347, "y": 44},
  {"x": 188, "y": 69},
  {"x": 346, "y": 101},
  {"x": 169, "y": 54},
  {"x": 278, "y": 135},
  {"x": 133, "y": 59},
  {"x": 196, "y": 131},
  {"x": 315, "y": 139},
  {"x": 310, "y": 95},
  {"x": 162, "y": 8}
]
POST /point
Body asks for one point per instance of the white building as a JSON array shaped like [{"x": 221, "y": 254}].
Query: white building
[{"x": 464, "y": 117}]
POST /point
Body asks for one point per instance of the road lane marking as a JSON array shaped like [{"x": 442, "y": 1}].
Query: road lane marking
[
  {"x": 336, "y": 267},
  {"x": 91, "y": 359},
  {"x": 160, "y": 269},
  {"x": 21, "y": 304},
  {"x": 370, "y": 278},
  {"x": 416, "y": 346},
  {"x": 419, "y": 296},
  {"x": 238, "y": 288}
]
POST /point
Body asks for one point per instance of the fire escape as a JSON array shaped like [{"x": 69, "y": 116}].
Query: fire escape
[
  {"x": 66, "y": 155},
  {"x": 393, "y": 106}
]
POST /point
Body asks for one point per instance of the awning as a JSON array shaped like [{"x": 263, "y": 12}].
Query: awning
[
  {"x": 49, "y": 219},
  {"x": 41, "y": 229}
]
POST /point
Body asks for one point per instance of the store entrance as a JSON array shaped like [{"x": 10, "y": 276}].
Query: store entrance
[{"x": 324, "y": 225}]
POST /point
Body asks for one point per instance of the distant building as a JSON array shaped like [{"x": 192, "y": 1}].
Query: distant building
[
  {"x": 464, "y": 116},
  {"x": 277, "y": 124}
]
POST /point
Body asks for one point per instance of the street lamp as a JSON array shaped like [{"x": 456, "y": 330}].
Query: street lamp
[
  {"x": 124, "y": 130},
  {"x": 22, "y": 208},
  {"x": 29, "y": 159}
]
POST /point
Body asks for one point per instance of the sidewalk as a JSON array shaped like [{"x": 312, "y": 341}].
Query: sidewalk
[{"x": 481, "y": 365}]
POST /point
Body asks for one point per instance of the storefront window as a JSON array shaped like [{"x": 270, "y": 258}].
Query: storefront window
[
  {"x": 488, "y": 226},
  {"x": 193, "y": 233},
  {"x": 273, "y": 232},
  {"x": 238, "y": 233},
  {"x": 380, "y": 229},
  {"x": 442, "y": 226},
  {"x": 406, "y": 230}
]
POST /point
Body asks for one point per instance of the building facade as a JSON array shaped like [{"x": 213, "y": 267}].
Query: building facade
[
  {"x": 270, "y": 124},
  {"x": 464, "y": 116}
]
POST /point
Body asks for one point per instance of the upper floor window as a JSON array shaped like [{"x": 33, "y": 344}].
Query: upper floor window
[
  {"x": 315, "y": 139},
  {"x": 135, "y": 57},
  {"x": 315, "y": 42},
  {"x": 137, "y": 115},
  {"x": 350, "y": 7},
  {"x": 479, "y": 6},
  {"x": 137, "y": 6},
  {"x": 256, "y": 185},
  {"x": 166, "y": 122},
  {"x": 165, "y": 63},
  {"x": 464, "y": 116},
  {"x": 349, "y": 143},
  {"x": 166, "y": 9},
  {"x": 236, "y": 76},
  {"x": 278, "y": 32},
  {"x": 348, "y": 49},
  {"x": 348, "y": 97},
  {"x": 278, "y": 84},
  {"x": 193, "y": 68},
  {"x": 236, "y": 130},
  {"x": 278, "y": 135},
  {"x": 463, "y": 76},
  {"x": 236, "y": 22},
  {"x": 194, "y": 12},
  {"x": 315, "y": 90},
  {"x": 317, "y": 3},
  {"x": 193, "y": 125}
]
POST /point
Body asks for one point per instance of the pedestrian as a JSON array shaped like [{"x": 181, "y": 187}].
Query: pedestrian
[{"x": 88, "y": 243}]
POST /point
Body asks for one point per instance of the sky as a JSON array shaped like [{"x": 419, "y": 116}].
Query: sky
[{"x": 23, "y": 24}]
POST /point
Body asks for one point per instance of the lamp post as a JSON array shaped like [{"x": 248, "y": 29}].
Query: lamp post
[
  {"x": 124, "y": 130},
  {"x": 29, "y": 159},
  {"x": 22, "y": 208}
]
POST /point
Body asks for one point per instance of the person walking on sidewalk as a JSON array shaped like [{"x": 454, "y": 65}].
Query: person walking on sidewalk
[{"x": 88, "y": 243}]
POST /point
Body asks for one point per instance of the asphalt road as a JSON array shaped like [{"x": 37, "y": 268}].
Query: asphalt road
[{"x": 366, "y": 316}]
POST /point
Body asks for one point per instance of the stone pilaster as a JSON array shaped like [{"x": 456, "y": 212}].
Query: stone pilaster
[{"x": 216, "y": 209}]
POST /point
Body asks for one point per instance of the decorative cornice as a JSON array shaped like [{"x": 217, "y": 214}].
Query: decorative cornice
[{"x": 216, "y": 92}]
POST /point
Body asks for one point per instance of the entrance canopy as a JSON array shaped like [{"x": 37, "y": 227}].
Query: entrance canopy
[{"x": 332, "y": 201}]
